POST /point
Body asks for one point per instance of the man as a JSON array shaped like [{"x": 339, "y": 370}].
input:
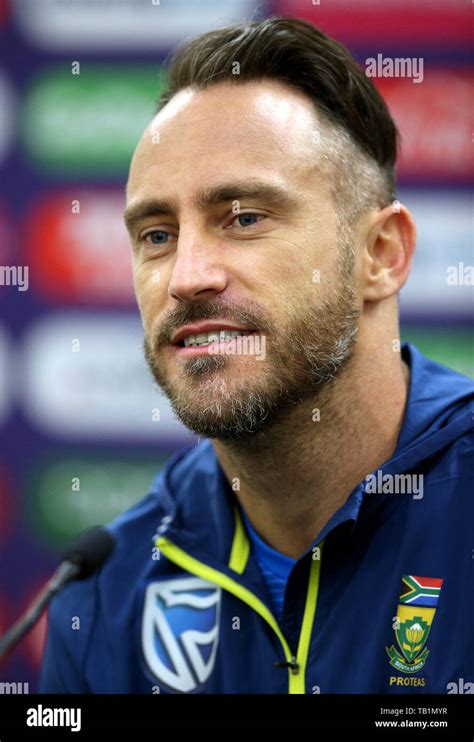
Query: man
[{"x": 320, "y": 539}]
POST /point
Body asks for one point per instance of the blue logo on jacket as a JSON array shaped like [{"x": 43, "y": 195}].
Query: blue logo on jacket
[{"x": 180, "y": 631}]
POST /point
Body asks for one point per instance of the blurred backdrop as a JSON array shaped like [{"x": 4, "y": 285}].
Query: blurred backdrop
[{"x": 83, "y": 430}]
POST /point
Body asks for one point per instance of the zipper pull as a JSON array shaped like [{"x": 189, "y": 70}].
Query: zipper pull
[{"x": 293, "y": 665}]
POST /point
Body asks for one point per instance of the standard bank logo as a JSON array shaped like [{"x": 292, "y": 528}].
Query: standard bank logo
[{"x": 180, "y": 631}]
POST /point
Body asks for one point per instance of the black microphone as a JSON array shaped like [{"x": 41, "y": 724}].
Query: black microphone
[{"x": 81, "y": 559}]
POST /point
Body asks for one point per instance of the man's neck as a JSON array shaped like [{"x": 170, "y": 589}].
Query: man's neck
[{"x": 295, "y": 476}]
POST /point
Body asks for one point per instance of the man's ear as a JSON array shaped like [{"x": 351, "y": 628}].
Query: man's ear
[{"x": 388, "y": 252}]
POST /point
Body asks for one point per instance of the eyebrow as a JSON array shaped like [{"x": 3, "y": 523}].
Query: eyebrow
[{"x": 206, "y": 197}]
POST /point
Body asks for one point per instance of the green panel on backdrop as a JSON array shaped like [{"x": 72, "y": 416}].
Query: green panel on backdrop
[
  {"x": 452, "y": 346},
  {"x": 67, "y": 495},
  {"x": 89, "y": 123}
]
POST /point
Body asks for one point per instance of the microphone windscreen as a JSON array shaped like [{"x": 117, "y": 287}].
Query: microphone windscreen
[{"x": 90, "y": 550}]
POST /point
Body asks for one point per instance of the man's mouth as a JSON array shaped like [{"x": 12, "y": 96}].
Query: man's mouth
[
  {"x": 208, "y": 338},
  {"x": 214, "y": 342}
]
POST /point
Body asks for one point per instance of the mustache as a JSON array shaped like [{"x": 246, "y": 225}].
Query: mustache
[{"x": 194, "y": 312}]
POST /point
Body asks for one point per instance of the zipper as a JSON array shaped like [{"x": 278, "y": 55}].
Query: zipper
[{"x": 296, "y": 664}]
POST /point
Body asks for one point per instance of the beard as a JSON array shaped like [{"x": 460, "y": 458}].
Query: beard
[{"x": 214, "y": 400}]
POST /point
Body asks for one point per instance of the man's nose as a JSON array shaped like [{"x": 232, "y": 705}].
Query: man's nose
[{"x": 198, "y": 271}]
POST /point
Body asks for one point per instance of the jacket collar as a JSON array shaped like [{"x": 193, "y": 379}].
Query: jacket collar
[{"x": 201, "y": 512}]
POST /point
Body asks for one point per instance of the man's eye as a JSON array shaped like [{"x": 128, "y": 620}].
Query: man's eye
[
  {"x": 157, "y": 237},
  {"x": 160, "y": 236},
  {"x": 245, "y": 220}
]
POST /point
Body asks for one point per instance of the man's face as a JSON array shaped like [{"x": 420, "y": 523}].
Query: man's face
[{"x": 244, "y": 237}]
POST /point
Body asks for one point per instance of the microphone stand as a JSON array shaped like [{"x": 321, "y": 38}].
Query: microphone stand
[{"x": 66, "y": 571}]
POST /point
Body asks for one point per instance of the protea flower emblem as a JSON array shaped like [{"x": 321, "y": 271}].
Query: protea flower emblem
[{"x": 414, "y": 637}]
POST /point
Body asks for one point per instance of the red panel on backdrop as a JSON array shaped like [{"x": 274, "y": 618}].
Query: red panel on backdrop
[
  {"x": 401, "y": 22},
  {"x": 4, "y": 239},
  {"x": 33, "y": 644},
  {"x": 77, "y": 248},
  {"x": 3, "y": 11},
  {"x": 30, "y": 647},
  {"x": 6, "y": 502},
  {"x": 434, "y": 121}
]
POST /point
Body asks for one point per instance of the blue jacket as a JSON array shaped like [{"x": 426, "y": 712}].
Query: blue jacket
[{"x": 381, "y": 602}]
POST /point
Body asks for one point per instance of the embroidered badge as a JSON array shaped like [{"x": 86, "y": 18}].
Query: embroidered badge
[{"x": 415, "y": 613}]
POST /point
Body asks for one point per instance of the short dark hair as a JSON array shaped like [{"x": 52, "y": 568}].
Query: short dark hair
[{"x": 293, "y": 51}]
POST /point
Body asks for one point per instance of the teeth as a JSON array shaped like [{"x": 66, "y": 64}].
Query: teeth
[{"x": 206, "y": 338}]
